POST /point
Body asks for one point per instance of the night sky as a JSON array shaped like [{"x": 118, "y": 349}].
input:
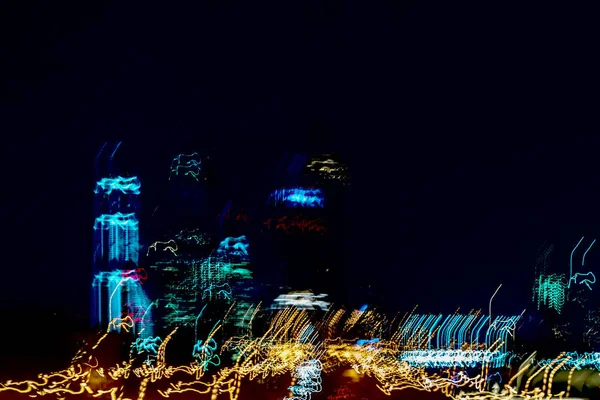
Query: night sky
[{"x": 471, "y": 131}]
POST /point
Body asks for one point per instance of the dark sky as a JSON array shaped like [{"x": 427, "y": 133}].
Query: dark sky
[{"x": 471, "y": 129}]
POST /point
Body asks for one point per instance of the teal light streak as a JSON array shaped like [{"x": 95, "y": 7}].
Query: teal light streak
[
  {"x": 421, "y": 327},
  {"x": 571, "y": 263},
  {"x": 588, "y": 249},
  {"x": 492, "y": 328},
  {"x": 416, "y": 326},
  {"x": 441, "y": 331},
  {"x": 115, "y": 150},
  {"x": 450, "y": 331},
  {"x": 463, "y": 330},
  {"x": 475, "y": 335},
  {"x": 407, "y": 328},
  {"x": 463, "y": 326},
  {"x": 428, "y": 322},
  {"x": 130, "y": 185},
  {"x": 437, "y": 321}
]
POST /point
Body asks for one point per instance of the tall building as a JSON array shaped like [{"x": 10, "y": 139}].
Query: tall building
[
  {"x": 305, "y": 217},
  {"x": 117, "y": 285}
]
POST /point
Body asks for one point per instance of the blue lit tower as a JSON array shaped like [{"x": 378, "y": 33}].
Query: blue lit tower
[
  {"x": 116, "y": 285},
  {"x": 307, "y": 221},
  {"x": 116, "y": 239},
  {"x": 297, "y": 203}
]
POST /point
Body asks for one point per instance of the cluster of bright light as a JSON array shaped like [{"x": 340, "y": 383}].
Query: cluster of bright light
[
  {"x": 186, "y": 165},
  {"x": 301, "y": 300},
  {"x": 575, "y": 360},
  {"x": 234, "y": 246},
  {"x": 391, "y": 374},
  {"x": 434, "y": 358},
  {"x": 298, "y": 197},
  {"x": 137, "y": 275},
  {"x": 362, "y": 342},
  {"x": 123, "y": 236},
  {"x": 328, "y": 168},
  {"x": 455, "y": 331},
  {"x": 550, "y": 291},
  {"x": 204, "y": 351},
  {"x": 296, "y": 224},
  {"x": 308, "y": 380},
  {"x": 293, "y": 343},
  {"x": 130, "y": 185},
  {"x": 147, "y": 345}
]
